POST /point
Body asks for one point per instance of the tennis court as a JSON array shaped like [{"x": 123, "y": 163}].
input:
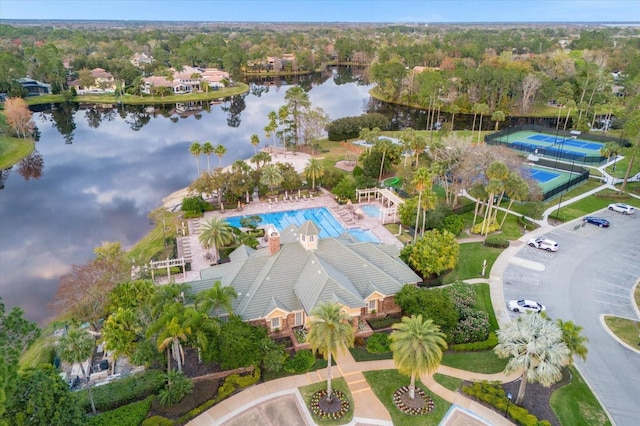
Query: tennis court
[
  {"x": 548, "y": 179},
  {"x": 577, "y": 143},
  {"x": 548, "y": 145}
]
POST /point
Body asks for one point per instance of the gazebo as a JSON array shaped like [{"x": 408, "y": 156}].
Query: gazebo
[{"x": 388, "y": 199}]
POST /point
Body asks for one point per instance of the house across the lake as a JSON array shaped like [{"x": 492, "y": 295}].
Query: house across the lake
[
  {"x": 35, "y": 87},
  {"x": 280, "y": 284},
  {"x": 186, "y": 80}
]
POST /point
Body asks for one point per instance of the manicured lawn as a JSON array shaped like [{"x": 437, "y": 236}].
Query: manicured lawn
[
  {"x": 339, "y": 384},
  {"x": 451, "y": 383},
  {"x": 585, "y": 187},
  {"x": 13, "y": 150},
  {"x": 394, "y": 228},
  {"x": 627, "y": 330},
  {"x": 385, "y": 382},
  {"x": 622, "y": 165},
  {"x": 470, "y": 262},
  {"x": 485, "y": 362},
  {"x": 636, "y": 296},
  {"x": 151, "y": 245},
  {"x": 575, "y": 404},
  {"x": 591, "y": 204},
  {"x": 483, "y": 303},
  {"x": 143, "y": 100},
  {"x": 318, "y": 365}
]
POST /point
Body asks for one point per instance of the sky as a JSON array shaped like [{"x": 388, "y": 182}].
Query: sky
[{"x": 397, "y": 11}]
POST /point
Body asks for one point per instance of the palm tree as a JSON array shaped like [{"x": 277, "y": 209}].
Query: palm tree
[
  {"x": 384, "y": 145},
  {"x": 207, "y": 149},
  {"x": 571, "y": 104},
  {"x": 215, "y": 232},
  {"x": 422, "y": 181},
  {"x": 270, "y": 129},
  {"x": 261, "y": 159},
  {"x": 313, "y": 171},
  {"x": 498, "y": 116},
  {"x": 417, "y": 346},
  {"x": 255, "y": 141},
  {"x": 536, "y": 349},
  {"x": 172, "y": 333},
  {"x": 610, "y": 149},
  {"x": 120, "y": 333},
  {"x": 477, "y": 191},
  {"x": 576, "y": 343},
  {"x": 453, "y": 109},
  {"x": 216, "y": 297},
  {"x": 330, "y": 329},
  {"x": 271, "y": 176},
  {"x": 196, "y": 149},
  {"x": 481, "y": 109},
  {"x": 516, "y": 189},
  {"x": 76, "y": 347},
  {"x": 220, "y": 150}
]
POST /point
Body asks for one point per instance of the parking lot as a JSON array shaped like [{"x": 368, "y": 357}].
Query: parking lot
[{"x": 590, "y": 275}]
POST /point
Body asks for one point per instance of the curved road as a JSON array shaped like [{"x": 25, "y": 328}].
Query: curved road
[{"x": 591, "y": 274}]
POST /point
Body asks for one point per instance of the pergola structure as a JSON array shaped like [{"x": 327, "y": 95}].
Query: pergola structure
[
  {"x": 169, "y": 263},
  {"x": 388, "y": 199}
]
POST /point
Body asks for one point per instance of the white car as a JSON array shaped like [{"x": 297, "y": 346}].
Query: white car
[
  {"x": 543, "y": 243},
  {"x": 525, "y": 306},
  {"x": 622, "y": 208}
]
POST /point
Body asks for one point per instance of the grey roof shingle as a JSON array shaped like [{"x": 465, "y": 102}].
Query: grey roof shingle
[{"x": 340, "y": 269}]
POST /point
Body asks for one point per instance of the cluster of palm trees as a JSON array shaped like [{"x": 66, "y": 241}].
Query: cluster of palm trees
[
  {"x": 196, "y": 149},
  {"x": 417, "y": 343}
]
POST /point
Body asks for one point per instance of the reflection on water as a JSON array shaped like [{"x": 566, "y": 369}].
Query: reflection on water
[{"x": 99, "y": 169}]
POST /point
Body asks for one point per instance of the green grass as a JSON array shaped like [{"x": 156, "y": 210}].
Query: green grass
[
  {"x": 339, "y": 384},
  {"x": 142, "y": 100},
  {"x": 483, "y": 303},
  {"x": 385, "y": 382},
  {"x": 622, "y": 165},
  {"x": 625, "y": 329},
  {"x": 485, "y": 362},
  {"x": 12, "y": 150},
  {"x": 451, "y": 383},
  {"x": 575, "y": 404},
  {"x": 591, "y": 204},
  {"x": 152, "y": 245},
  {"x": 470, "y": 262},
  {"x": 394, "y": 228},
  {"x": 271, "y": 375},
  {"x": 636, "y": 296}
]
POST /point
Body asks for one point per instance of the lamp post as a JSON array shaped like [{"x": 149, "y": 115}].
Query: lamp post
[{"x": 506, "y": 412}]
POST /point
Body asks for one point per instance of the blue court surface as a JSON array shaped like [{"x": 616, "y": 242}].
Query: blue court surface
[
  {"x": 543, "y": 176},
  {"x": 578, "y": 143}
]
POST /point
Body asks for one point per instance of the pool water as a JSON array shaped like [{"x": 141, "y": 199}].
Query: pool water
[
  {"x": 321, "y": 216},
  {"x": 371, "y": 210}
]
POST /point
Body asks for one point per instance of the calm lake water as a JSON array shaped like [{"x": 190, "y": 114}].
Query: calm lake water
[{"x": 99, "y": 170}]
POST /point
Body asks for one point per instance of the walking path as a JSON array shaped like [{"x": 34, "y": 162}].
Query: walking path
[{"x": 253, "y": 406}]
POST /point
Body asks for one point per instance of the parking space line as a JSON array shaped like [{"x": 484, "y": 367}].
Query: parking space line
[
  {"x": 612, "y": 304},
  {"x": 626, "y": 288},
  {"x": 611, "y": 294}
]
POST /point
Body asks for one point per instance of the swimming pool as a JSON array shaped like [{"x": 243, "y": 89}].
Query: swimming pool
[
  {"x": 328, "y": 224},
  {"x": 371, "y": 210}
]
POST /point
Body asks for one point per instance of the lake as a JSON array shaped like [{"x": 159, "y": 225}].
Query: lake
[{"x": 100, "y": 169}]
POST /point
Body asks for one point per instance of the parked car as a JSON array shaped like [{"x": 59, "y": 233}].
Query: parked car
[
  {"x": 599, "y": 221},
  {"x": 621, "y": 208},
  {"x": 525, "y": 306},
  {"x": 543, "y": 243}
]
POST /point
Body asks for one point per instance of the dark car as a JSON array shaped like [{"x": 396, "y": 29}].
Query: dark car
[{"x": 599, "y": 221}]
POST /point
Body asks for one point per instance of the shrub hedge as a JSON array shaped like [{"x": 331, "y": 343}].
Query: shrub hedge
[
  {"x": 130, "y": 414},
  {"x": 157, "y": 421},
  {"x": 123, "y": 391},
  {"x": 378, "y": 343},
  {"x": 484, "y": 345},
  {"x": 231, "y": 384},
  {"x": 493, "y": 394},
  {"x": 496, "y": 241},
  {"x": 301, "y": 362},
  {"x": 380, "y": 323}
]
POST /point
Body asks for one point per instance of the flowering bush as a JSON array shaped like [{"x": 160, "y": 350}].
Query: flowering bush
[
  {"x": 301, "y": 335},
  {"x": 473, "y": 328},
  {"x": 318, "y": 401}
]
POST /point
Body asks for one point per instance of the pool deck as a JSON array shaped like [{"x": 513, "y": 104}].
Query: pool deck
[{"x": 346, "y": 217}]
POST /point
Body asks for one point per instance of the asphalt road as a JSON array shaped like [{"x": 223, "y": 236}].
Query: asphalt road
[{"x": 591, "y": 274}]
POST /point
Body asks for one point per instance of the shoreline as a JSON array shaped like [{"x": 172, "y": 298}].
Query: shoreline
[{"x": 298, "y": 160}]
